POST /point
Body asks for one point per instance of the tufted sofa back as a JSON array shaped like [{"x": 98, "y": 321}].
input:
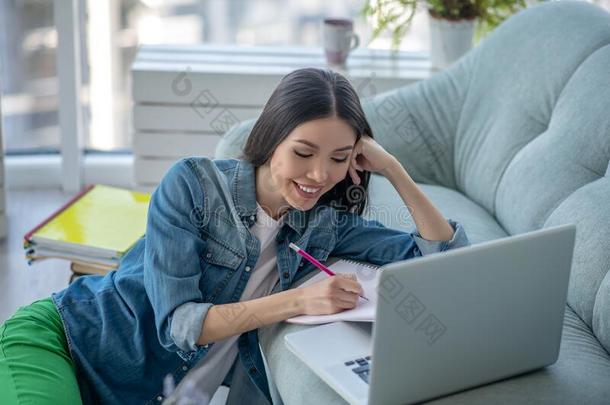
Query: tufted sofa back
[{"x": 521, "y": 126}]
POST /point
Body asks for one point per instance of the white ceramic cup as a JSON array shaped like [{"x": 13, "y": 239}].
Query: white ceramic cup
[{"x": 339, "y": 39}]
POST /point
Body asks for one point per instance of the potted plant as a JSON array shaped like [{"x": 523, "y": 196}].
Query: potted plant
[{"x": 452, "y": 22}]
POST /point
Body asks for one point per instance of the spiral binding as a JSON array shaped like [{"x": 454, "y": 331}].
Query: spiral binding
[
  {"x": 364, "y": 271},
  {"x": 357, "y": 263}
]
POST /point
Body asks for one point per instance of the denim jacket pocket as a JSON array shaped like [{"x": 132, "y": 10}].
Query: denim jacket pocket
[
  {"x": 220, "y": 265},
  {"x": 221, "y": 254}
]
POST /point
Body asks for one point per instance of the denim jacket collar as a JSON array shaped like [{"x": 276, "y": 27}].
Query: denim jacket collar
[
  {"x": 244, "y": 190},
  {"x": 244, "y": 197}
]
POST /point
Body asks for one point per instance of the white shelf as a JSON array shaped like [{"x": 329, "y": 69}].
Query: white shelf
[
  {"x": 173, "y": 144},
  {"x": 190, "y": 118},
  {"x": 149, "y": 171}
]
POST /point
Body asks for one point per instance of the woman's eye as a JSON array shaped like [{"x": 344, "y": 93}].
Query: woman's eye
[{"x": 301, "y": 154}]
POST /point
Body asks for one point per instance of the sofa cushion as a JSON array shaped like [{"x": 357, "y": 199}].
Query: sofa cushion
[
  {"x": 559, "y": 178},
  {"x": 386, "y": 206},
  {"x": 463, "y": 127},
  {"x": 589, "y": 289},
  {"x": 572, "y": 152},
  {"x": 517, "y": 76},
  {"x": 601, "y": 313}
]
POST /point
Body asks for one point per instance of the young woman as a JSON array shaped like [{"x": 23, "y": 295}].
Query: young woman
[{"x": 194, "y": 290}]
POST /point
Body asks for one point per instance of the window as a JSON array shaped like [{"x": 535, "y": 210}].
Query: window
[{"x": 28, "y": 76}]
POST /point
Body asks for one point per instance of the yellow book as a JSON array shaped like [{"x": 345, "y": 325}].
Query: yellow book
[{"x": 100, "y": 224}]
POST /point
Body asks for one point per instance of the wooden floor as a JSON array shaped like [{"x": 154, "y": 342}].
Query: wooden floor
[{"x": 21, "y": 284}]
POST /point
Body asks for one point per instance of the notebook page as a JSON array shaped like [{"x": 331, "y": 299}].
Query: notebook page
[{"x": 367, "y": 276}]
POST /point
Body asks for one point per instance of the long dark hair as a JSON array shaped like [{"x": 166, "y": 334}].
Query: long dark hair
[{"x": 305, "y": 95}]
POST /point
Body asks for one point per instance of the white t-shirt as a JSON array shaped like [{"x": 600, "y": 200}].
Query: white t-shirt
[{"x": 209, "y": 373}]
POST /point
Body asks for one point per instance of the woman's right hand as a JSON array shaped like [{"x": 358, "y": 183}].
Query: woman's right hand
[{"x": 331, "y": 295}]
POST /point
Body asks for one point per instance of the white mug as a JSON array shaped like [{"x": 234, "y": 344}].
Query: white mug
[{"x": 339, "y": 39}]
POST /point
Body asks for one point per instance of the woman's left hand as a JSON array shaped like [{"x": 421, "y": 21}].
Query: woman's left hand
[{"x": 370, "y": 156}]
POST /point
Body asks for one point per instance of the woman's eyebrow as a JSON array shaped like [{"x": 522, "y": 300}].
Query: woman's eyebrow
[{"x": 313, "y": 145}]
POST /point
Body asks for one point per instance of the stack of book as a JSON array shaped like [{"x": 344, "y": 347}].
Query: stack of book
[{"x": 93, "y": 230}]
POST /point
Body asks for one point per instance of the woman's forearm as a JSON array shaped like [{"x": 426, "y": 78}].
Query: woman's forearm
[
  {"x": 429, "y": 221},
  {"x": 236, "y": 318}
]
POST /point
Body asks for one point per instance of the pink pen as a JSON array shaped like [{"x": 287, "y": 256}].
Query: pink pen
[{"x": 316, "y": 263}]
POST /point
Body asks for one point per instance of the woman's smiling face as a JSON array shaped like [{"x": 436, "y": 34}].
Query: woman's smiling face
[{"x": 310, "y": 161}]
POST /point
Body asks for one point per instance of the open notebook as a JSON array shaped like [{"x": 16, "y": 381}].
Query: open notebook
[{"x": 368, "y": 277}]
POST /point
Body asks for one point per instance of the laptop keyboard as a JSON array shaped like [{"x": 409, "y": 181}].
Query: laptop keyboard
[{"x": 360, "y": 366}]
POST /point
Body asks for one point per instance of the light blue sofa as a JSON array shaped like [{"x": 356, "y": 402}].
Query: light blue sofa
[{"x": 514, "y": 137}]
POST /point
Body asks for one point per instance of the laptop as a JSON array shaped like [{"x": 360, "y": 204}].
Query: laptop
[{"x": 449, "y": 321}]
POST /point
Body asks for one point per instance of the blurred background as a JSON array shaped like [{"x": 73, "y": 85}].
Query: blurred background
[{"x": 28, "y": 43}]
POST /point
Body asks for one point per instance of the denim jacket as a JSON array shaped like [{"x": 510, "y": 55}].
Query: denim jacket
[{"x": 127, "y": 330}]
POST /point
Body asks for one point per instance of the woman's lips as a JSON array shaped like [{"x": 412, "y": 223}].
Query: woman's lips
[{"x": 306, "y": 194}]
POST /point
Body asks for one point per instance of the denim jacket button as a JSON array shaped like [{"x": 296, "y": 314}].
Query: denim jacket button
[
  {"x": 301, "y": 264},
  {"x": 184, "y": 368},
  {"x": 286, "y": 274},
  {"x": 248, "y": 268},
  {"x": 251, "y": 217},
  {"x": 159, "y": 398},
  {"x": 252, "y": 370},
  {"x": 208, "y": 255},
  {"x": 205, "y": 346}
]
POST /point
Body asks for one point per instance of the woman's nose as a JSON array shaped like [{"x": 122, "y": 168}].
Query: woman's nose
[{"x": 319, "y": 174}]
